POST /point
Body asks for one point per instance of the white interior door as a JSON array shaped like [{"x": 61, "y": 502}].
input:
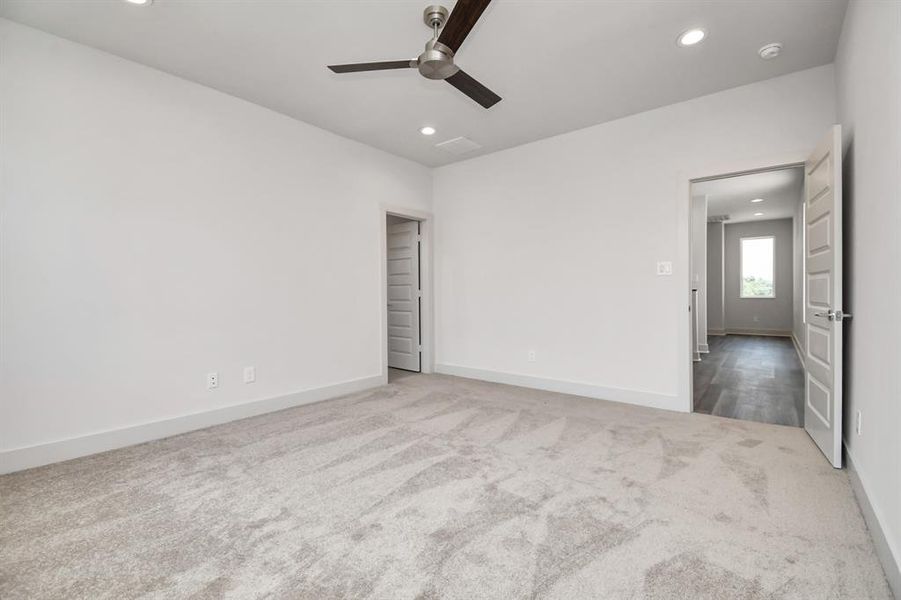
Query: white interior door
[
  {"x": 823, "y": 278},
  {"x": 403, "y": 296}
]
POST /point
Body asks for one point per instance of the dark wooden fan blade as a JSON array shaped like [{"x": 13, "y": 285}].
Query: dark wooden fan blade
[
  {"x": 473, "y": 89},
  {"x": 373, "y": 66},
  {"x": 461, "y": 21}
]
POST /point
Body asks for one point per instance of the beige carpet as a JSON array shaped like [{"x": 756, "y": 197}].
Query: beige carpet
[{"x": 438, "y": 487}]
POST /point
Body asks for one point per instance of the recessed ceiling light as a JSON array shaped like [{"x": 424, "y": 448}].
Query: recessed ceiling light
[
  {"x": 692, "y": 37},
  {"x": 139, "y": 2},
  {"x": 770, "y": 51},
  {"x": 427, "y": 130},
  {"x": 756, "y": 200},
  {"x": 758, "y": 214}
]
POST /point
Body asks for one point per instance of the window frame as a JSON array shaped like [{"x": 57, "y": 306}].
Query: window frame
[{"x": 741, "y": 265}]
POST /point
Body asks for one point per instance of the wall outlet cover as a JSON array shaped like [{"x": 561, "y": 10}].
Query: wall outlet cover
[
  {"x": 664, "y": 267},
  {"x": 212, "y": 381},
  {"x": 250, "y": 374}
]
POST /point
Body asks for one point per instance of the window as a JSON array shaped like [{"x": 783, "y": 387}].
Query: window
[{"x": 757, "y": 260}]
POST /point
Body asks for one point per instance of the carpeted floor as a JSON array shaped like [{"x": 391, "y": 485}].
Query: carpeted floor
[{"x": 439, "y": 487}]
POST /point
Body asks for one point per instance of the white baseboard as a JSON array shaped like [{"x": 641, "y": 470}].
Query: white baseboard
[
  {"x": 640, "y": 398},
  {"x": 798, "y": 350},
  {"x": 889, "y": 557},
  {"x": 704, "y": 348},
  {"x": 716, "y": 332},
  {"x": 18, "y": 459},
  {"x": 770, "y": 332}
]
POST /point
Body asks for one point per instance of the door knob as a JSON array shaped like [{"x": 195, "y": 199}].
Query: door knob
[{"x": 834, "y": 315}]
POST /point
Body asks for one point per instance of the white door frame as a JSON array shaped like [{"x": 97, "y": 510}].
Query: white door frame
[
  {"x": 683, "y": 257},
  {"x": 427, "y": 307}
]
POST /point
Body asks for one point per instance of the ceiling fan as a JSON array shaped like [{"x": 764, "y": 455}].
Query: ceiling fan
[{"x": 437, "y": 62}]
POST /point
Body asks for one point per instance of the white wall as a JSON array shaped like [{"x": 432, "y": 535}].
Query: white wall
[
  {"x": 715, "y": 301},
  {"x": 154, "y": 230},
  {"x": 868, "y": 69},
  {"x": 553, "y": 245},
  {"x": 699, "y": 264},
  {"x": 759, "y": 315}
]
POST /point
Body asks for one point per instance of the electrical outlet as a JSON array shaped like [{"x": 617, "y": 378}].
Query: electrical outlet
[
  {"x": 756, "y": 319},
  {"x": 858, "y": 422},
  {"x": 531, "y": 356},
  {"x": 212, "y": 381},
  {"x": 664, "y": 267},
  {"x": 250, "y": 374}
]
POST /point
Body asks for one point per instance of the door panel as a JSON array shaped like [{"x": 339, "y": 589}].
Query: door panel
[
  {"x": 403, "y": 296},
  {"x": 818, "y": 347},
  {"x": 823, "y": 280}
]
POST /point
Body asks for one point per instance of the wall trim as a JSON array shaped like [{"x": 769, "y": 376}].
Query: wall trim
[
  {"x": 716, "y": 332},
  {"x": 889, "y": 557},
  {"x": 18, "y": 459},
  {"x": 798, "y": 350},
  {"x": 575, "y": 388},
  {"x": 704, "y": 348},
  {"x": 770, "y": 332}
]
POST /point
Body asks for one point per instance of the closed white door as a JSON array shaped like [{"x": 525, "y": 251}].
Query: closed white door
[
  {"x": 823, "y": 278},
  {"x": 403, "y": 296}
]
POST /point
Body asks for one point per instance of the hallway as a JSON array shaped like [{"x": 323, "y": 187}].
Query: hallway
[{"x": 753, "y": 378}]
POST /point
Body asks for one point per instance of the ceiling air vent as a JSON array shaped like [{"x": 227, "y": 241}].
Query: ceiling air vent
[
  {"x": 458, "y": 146},
  {"x": 717, "y": 218}
]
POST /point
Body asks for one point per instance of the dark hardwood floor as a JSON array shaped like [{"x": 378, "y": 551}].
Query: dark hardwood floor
[
  {"x": 397, "y": 374},
  {"x": 755, "y": 378}
]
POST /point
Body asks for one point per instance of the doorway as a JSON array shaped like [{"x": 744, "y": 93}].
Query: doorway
[
  {"x": 819, "y": 277},
  {"x": 748, "y": 295},
  {"x": 404, "y": 295}
]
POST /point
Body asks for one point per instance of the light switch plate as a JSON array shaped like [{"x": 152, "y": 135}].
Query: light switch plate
[
  {"x": 250, "y": 374},
  {"x": 664, "y": 267}
]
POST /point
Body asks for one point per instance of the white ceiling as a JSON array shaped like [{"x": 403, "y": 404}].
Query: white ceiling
[
  {"x": 559, "y": 65},
  {"x": 781, "y": 192}
]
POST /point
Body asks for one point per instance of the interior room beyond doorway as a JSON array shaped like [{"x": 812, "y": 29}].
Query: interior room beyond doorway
[{"x": 748, "y": 313}]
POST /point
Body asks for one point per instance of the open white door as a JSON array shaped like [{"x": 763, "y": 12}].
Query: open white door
[
  {"x": 403, "y": 296},
  {"x": 823, "y": 278}
]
